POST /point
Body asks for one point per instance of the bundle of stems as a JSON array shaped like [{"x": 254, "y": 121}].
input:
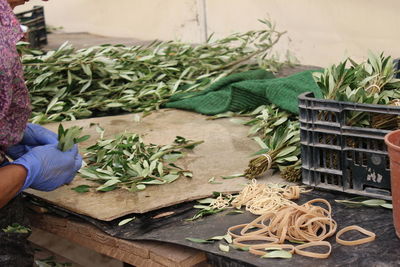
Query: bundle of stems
[
  {"x": 371, "y": 82},
  {"x": 282, "y": 148}
]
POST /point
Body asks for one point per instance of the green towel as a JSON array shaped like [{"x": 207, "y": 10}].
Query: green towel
[{"x": 248, "y": 90}]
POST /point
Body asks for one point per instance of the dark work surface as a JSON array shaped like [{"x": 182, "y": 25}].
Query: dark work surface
[{"x": 174, "y": 229}]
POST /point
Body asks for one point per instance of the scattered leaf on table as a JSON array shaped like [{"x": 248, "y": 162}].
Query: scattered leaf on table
[
  {"x": 278, "y": 254},
  {"x": 218, "y": 237},
  {"x": 125, "y": 221},
  {"x": 212, "y": 181},
  {"x": 81, "y": 188},
  {"x": 373, "y": 202},
  {"x": 223, "y": 248},
  {"x": 233, "y": 176},
  {"x": 387, "y": 206},
  {"x": 233, "y": 212},
  {"x": 228, "y": 238}
]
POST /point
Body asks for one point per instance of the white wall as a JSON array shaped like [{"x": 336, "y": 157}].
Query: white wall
[{"x": 321, "y": 32}]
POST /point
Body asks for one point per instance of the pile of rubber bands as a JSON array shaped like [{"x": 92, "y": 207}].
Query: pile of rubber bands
[
  {"x": 262, "y": 198},
  {"x": 284, "y": 220}
]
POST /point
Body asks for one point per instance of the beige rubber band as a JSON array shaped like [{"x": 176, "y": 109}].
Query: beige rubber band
[
  {"x": 235, "y": 227},
  {"x": 298, "y": 250},
  {"x": 371, "y": 236},
  {"x": 257, "y": 249},
  {"x": 238, "y": 241}
]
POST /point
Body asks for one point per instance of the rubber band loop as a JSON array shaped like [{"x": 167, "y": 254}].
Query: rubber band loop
[
  {"x": 299, "y": 250},
  {"x": 239, "y": 241},
  {"x": 256, "y": 248},
  {"x": 371, "y": 236}
]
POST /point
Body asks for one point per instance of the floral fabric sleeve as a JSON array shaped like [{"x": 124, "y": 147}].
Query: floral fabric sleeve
[{"x": 14, "y": 97}]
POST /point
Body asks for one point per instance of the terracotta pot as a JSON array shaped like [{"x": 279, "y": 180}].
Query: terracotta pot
[{"x": 392, "y": 141}]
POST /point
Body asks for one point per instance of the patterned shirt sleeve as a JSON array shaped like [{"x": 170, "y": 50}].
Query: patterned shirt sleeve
[{"x": 14, "y": 97}]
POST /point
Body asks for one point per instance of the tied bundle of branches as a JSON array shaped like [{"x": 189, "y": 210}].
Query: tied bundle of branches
[
  {"x": 279, "y": 150},
  {"x": 370, "y": 82},
  {"x": 69, "y": 84},
  {"x": 127, "y": 162},
  {"x": 264, "y": 122},
  {"x": 266, "y": 119}
]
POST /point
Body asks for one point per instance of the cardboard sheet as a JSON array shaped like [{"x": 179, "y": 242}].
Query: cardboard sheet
[{"x": 226, "y": 150}]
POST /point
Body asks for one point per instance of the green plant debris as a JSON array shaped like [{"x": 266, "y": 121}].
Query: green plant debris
[
  {"x": 125, "y": 221},
  {"x": 223, "y": 248},
  {"x": 233, "y": 176},
  {"x": 234, "y": 212},
  {"x": 67, "y": 138},
  {"x": 51, "y": 262},
  {"x": 361, "y": 201},
  {"x": 212, "y": 181},
  {"x": 127, "y": 162},
  {"x": 207, "y": 206},
  {"x": 278, "y": 254},
  {"x": 82, "y": 188},
  {"x": 228, "y": 238},
  {"x": 17, "y": 228},
  {"x": 69, "y": 84}
]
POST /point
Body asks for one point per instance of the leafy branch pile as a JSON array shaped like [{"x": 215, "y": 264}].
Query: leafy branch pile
[
  {"x": 127, "y": 162},
  {"x": 69, "y": 84}
]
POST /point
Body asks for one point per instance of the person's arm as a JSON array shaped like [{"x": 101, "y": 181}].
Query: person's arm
[{"x": 12, "y": 180}]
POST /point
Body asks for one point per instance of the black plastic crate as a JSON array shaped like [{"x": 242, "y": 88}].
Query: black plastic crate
[
  {"x": 35, "y": 21},
  {"x": 339, "y": 157}
]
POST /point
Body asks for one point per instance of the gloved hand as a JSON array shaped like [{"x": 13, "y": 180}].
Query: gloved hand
[
  {"x": 34, "y": 135},
  {"x": 48, "y": 167}
]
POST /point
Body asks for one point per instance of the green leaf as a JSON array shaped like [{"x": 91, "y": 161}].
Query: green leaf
[
  {"x": 223, "y": 248},
  {"x": 373, "y": 202},
  {"x": 141, "y": 187},
  {"x": 233, "y": 176},
  {"x": 387, "y": 206},
  {"x": 125, "y": 221},
  {"x": 212, "y": 181},
  {"x": 233, "y": 212},
  {"x": 81, "y": 188},
  {"x": 278, "y": 254},
  {"x": 228, "y": 238},
  {"x": 107, "y": 185},
  {"x": 205, "y": 201}
]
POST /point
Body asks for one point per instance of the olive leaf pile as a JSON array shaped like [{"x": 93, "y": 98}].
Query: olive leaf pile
[
  {"x": 127, "y": 162},
  {"x": 68, "y": 84}
]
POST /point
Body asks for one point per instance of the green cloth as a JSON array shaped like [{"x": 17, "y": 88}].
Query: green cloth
[{"x": 248, "y": 90}]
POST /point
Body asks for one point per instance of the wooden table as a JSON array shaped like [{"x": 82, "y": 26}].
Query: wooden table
[{"x": 136, "y": 253}]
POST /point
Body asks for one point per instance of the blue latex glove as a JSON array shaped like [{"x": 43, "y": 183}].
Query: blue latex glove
[
  {"x": 48, "y": 167},
  {"x": 34, "y": 135}
]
